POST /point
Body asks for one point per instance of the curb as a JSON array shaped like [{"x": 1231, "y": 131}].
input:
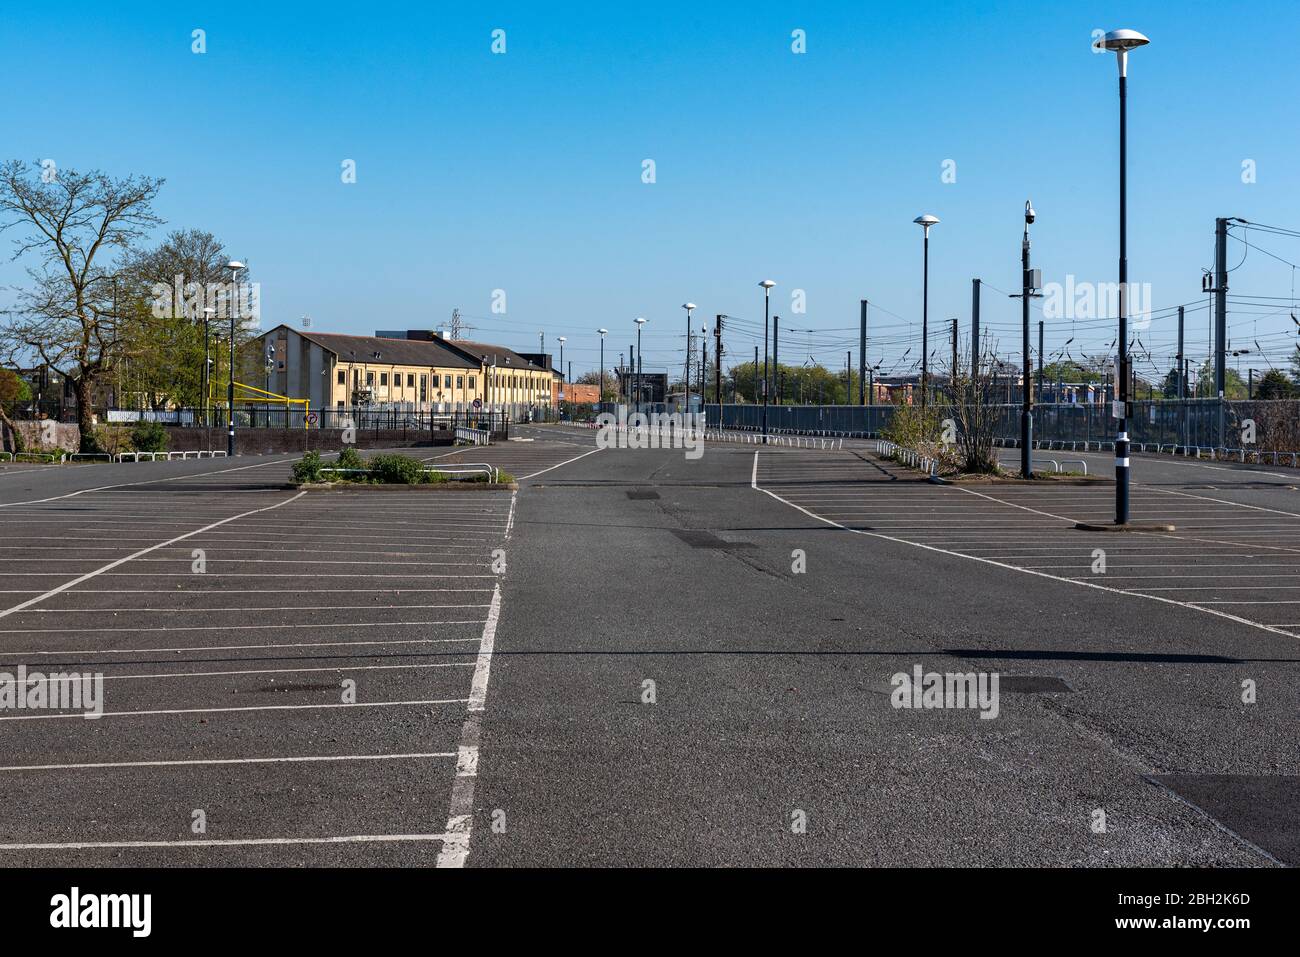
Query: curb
[{"x": 423, "y": 487}]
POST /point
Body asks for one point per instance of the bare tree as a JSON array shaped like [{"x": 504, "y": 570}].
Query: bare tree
[
  {"x": 977, "y": 415},
  {"x": 71, "y": 222}
]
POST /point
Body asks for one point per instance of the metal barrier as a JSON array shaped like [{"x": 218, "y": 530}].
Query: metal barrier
[
  {"x": 47, "y": 457},
  {"x": 908, "y": 457},
  {"x": 465, "y": 433},
  {"x": 491, "y": 472},
  {"x": 788, "y": 441}
]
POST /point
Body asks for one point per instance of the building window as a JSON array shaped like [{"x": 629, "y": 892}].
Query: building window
[
  {"x": 460, "y": 382},
  {"x": 355, "y": 378},
  {"x": 446, "y": 381},
  {"x": 383, "y": 378},
  {"x": 370, "y": 378},
  {"x": 343, "y": 377},
  {"x": 471, "y": 381},
  {"x": 424, "y": 388},
  {"x": 410, "y": 380}
]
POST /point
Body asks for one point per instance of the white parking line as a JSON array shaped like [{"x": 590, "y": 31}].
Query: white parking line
[
  {"x": 558, "y": 464},
  {"x": 267, "y": 707},
  {"x": 231, "y": 842},
  {"x": 1014, "y": 568},
  {"x": 289, "y": 644},
  {"x": 144, "y": 551},
  {"x": 173, "y": 478},
  {"x": 214, "y": 761}
]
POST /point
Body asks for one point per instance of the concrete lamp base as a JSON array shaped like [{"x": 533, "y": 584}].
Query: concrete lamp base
[{"x": 1131, "y": 527}]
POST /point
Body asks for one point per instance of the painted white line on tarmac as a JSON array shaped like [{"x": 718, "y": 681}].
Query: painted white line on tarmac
[
  {"x": 326, "y": 624},
  {"x": 558, "y": 464},
  {"x": 460, "y": 813},
  {"x": 144, "y": 551},
  {"x": 231, "y": 842},
  {"x": 82, "y": 715},
  {"x": 185, "y": 611},
  {"x": 215, "y": 761},
  {"x": 174, "y": 478},
  {"x": 288, "y": 671},
  {"x": 1014, "y": 568},
  {"x": 288, "y": 644}
]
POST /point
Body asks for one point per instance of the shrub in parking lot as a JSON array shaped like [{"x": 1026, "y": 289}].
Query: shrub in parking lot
[
  {"x": 308, "y": 470},
  {"x": 149, "y": 437},
  {"x": 350, "y": 458},
  {"x": 396, "y": 470}
]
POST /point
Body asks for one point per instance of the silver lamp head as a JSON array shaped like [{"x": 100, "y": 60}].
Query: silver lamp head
[
  {"x": 767, "y": 283},
  {"x": 1117, "y": 40},
  {"x": 1120, "y": 42},
  {"x": 640, "y": 321}
]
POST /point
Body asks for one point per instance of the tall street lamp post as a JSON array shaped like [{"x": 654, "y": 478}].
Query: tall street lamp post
[
  {"x": 767, "y": 285},
  {"x": 234, "y": 266},
  {"x": 1120, "y": 42},
  {"x": 689, "y": 307},
  {"x": 1027, "y": 285},
  {"x": 925, "y": 222},
  {"x": 208, "y": 313},
  {"x": 640, "y": 362},
  {"x": 601, "y": 398}
]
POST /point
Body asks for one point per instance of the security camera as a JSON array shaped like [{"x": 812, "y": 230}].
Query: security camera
[{"x": 1029, "y": 211}]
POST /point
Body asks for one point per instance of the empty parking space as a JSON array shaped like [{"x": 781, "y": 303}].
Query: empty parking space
[{"x": 276, "y": 669}]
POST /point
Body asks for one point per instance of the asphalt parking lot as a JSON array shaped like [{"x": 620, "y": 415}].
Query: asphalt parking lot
[
  {"x": 668, "y": 661},
  {"x": 286, "y": 676}
]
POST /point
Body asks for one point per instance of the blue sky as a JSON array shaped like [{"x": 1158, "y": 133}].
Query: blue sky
[{"x": 523, "y": 171}]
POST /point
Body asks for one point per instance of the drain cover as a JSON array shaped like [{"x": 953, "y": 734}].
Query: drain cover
[
  {"x": 642, "y": 494},
  {"x": 1262, "y": 808}
]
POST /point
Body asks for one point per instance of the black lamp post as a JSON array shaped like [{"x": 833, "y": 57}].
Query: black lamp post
[
  {"x": 1120, "y": 42},
  {"x": 925, "y": 222}
]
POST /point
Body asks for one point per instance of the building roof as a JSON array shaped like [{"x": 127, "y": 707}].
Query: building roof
[
  {"x": 406, "y": 352},
  {"x": 498, "y": 354}
]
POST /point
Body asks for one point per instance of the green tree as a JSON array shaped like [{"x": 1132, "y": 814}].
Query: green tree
[
  {"x": 1233, "y": 386},
  {"x": 1069, "y": 371},
  {"x": 1275, "y": 385},
  {"x": 162, "y": 351},
  {"x": 14, "y": 391}
]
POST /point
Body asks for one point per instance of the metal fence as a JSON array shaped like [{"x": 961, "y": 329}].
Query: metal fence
[
  {"x": 1264, "y": 425},
  {"x": 362, "y": 419},
  {"x": 839, "y": 420}
]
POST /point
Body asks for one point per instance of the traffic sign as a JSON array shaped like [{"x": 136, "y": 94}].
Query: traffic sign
[{"x": 478, "y": 403}]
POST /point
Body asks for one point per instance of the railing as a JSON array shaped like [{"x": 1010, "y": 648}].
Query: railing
[
  {"x": 789, "y": 441},
  {"x": 465, "y": 433},
  {"x": 491, "y": 472},
  {"x": 908, "y": 457}
]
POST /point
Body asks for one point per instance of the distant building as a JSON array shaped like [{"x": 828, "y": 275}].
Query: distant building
[
  {"x": 653, "y": 386},
  {"x": 413, "y": 371}
]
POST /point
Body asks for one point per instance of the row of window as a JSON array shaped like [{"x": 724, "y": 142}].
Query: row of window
[
  {"x": 500, "y": 381},
  {"x": 410, "y": 380}
]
